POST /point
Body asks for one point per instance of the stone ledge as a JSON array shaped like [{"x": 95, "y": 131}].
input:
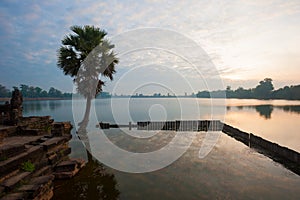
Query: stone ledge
[
  {"x": 10, "y": 150},
  {"x": 42, "y": 179},
  {"x": 16, "y": 140},
  {"x": 53, "y": 142},
  {"x": 15, "y": 196},
  {"x": 43, "y": 171},
  {"x": 15, "y": 162},
  {"x": 7, "y": 131},
  {"x": 39, "y": 188},
  {"x": 68, "y": 169},
  {"x": 10, "y": 183}
]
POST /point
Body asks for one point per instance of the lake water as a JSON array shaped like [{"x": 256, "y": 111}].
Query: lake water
[{"x": 230, "y": 171}]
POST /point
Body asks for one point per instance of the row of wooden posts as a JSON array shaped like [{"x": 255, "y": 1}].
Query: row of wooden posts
[{"x": 178, "y": 125}]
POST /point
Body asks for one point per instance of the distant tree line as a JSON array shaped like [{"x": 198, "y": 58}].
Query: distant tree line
[
  {"x": 104, "y": 95},
  {"x": 35, "y": 92},
  {"x": 4, "y": 92},
  {"x": 264, "y": 90}
]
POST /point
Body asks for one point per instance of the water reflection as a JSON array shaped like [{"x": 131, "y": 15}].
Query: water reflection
[
  {"x": 35, "y": 106},
  {"x": 229, "y": 165},
  {"x": 53, "y": 105},
  {"x": 266, "y": 111},
  {"x": 294, "y": 109},
  {"x": 92, "y": 182}
]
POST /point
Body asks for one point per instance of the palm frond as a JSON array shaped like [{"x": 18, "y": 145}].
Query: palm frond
[{"x": 85, "y": 55}]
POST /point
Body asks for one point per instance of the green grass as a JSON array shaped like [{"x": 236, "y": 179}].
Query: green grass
[{"x": 28, "y": 166}]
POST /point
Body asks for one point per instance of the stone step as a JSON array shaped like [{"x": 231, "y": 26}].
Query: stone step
[
  {"x": 65, "y": 175},
  {"x": 53, "y": 159},
  {"x": 10, "y": 150},
  {"x": 68, "y": 169},
  {"x": 7, "y": 131},
  {"x": 53, "y": 142},
  {"x": 61, "y": 128},
  {"x": 41, "y": 163},
  {"x": 43, "y": 171},
  {"x": 33, "y": 132},
  {"x": 65, "y": 152},
  {"x": 39, "y": 187},
  {"x": 8, "y": 175},
  {"x": 23, "y": 140},
  {"x": 15, "y": 162},
  {"x": 10, "y": 184},
  {"x": 30, "y": 189},
  {"x": 43, "y": 139},
  {"x": 15, "y": 196},
  {"x": 42, "y": 180},
  {"x": 66, "y": 166},
  {"x": 58, "y": 154}
]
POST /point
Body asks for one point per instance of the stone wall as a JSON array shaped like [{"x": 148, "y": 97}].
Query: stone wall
[
  {"x": 275, "y": 148},
  {"x": 288, "y": 157},
  {"x": 236, "y": 133}
]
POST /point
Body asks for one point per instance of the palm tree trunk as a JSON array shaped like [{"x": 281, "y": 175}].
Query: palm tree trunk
[
  {"x": 82, "y": 131},
  {"x": 86, "y": 117}
]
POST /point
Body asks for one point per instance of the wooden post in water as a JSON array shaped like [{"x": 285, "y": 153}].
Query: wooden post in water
[
  {"x": 130, "y": 126},
  {"x": 250, "y": 140}
]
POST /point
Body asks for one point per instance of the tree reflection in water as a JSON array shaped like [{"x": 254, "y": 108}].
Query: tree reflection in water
[
  {"x": 92, "y": 182},
  {"x": 53, "y": 105},
  {"x": 266, "y": 111},
  {"x": 33, "y": 106}
]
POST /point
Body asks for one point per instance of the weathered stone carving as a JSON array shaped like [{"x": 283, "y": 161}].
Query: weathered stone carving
[
  {"x": 16, "y": 106},
  {"x": 10, "y": 113}
]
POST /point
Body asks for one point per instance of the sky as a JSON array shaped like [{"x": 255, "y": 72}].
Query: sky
[{"x": 245, "y": 41}]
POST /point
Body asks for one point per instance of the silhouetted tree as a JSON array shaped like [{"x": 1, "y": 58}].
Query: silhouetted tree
[
  {"x": 295, "y": 92},
  {"x": 264, "y": 89},
  {"x": 85, "y": 55},
  {"x": 203, "y": 94},
  {"x": 34, "y": 92},
  {"x": 229, "y": 92},
  {"x": 4, "y": 92},
  {"x": 38, "y": 91},
  {"x": 242, "y": 93},
  {"x": 54, "y": 92},
  {"x": 24, "y": 90},
  {"x": 282, "y": 93},
  {"x": 44, "y": 93}
]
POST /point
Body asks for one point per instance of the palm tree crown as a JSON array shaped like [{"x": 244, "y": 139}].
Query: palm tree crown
[{"x": 85, "y": 55}]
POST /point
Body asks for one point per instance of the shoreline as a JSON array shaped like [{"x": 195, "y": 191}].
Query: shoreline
[{"x": 3, "y": 99}]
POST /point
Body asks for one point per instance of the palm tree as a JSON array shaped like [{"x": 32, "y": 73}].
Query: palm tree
[{"x": 85, "y": 55}]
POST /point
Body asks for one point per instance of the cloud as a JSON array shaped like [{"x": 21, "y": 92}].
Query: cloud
[{"x": 238, "y": 36}]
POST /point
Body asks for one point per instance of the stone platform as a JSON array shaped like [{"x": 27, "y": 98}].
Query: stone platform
[{"x": 31, "y": 160}]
